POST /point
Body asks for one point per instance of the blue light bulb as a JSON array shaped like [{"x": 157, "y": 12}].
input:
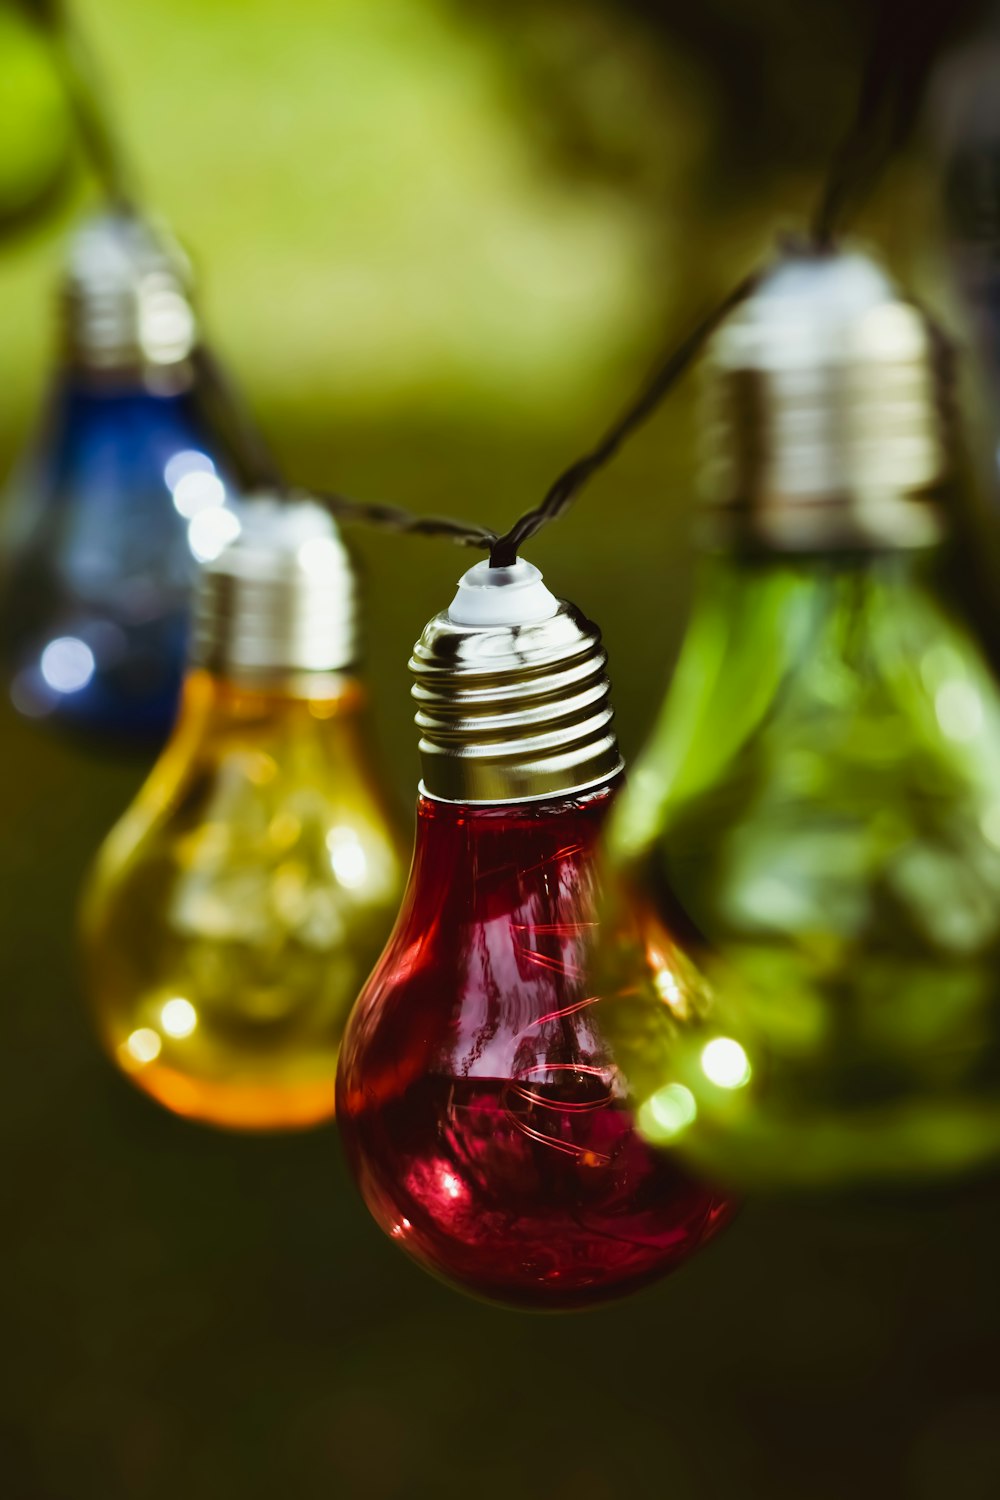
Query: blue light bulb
[{"x": 120, "y": 496}]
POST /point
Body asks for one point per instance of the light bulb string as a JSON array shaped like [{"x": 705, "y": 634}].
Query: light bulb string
[
  {"x": 903, "y": 47},
  {"x": 388, "y": 517},
  {"x": 259, "y": 468},
  {"x": 86, "y": 96},
  {"x": 892, "y": 85},
  {"x": 905, "y": 42},
  {"x": 262, "y": 471},
  {"x": 564, "y": 490},
  {"x": 101, "y": 144}
]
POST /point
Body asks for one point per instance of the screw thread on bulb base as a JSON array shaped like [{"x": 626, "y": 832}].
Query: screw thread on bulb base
[
  {"x": 829, "y": 410},
  {"x": 126, "y": 303},
  {"x": 278, "y": 605},
  {"x": 512, "y": 711}
]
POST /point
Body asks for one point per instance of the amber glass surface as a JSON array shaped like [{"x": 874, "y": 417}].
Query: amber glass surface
[
  {"x": 237, "y": 908},
  {"x": 486, "y": 1119},
  {"x": 816, "y": 820}
]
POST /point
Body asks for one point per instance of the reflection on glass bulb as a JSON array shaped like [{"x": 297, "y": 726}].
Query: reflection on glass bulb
[{"x": 238, "y": 906}]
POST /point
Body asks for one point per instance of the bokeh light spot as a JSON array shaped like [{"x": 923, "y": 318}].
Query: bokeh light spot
[
  {"x": 187, "y": 461},
  {"x": 666, "y": 986},
  {"x": 144, "y": 1045},
  {"x": 31, "y": 695},
  {"x": 67, "y": 665},
  {"x": 347, "y": 858},
  {"x": 196, "y": 492},
  {"x": 724, "y": 1063},
  {"x": 211, "y": 530},
  {"x": 451, "y": 1185},
  {"x": 178, "y": 1017},
  {"x": 669, "y": 1111},
  {"x": 959, "y": 710},
  {"x": 989, "y": 824}
]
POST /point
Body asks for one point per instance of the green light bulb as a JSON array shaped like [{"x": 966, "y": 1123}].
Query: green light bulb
[{"x": 816, "y": 819}]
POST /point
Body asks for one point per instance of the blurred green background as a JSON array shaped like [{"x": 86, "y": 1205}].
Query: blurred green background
[{"x": 439, "y": 241}]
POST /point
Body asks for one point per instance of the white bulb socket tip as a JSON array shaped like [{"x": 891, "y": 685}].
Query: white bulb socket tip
[{"x": 502, "y": 596}]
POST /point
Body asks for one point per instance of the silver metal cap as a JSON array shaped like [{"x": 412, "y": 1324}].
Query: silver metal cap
[
  {"x": 513, "y": 702},
  {"x": 277, "y": 602},
  {"x": 126, "y": 297},
  {"x": 827, "y": 411}
]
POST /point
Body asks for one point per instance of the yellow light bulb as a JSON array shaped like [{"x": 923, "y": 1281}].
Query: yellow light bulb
[{"x": 236, "y": 909}]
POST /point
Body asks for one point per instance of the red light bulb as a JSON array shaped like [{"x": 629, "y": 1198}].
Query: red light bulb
[{"x": 484, "y": 1116}]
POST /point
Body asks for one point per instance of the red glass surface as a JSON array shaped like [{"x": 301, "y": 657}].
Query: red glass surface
[{"x": 482, "y": 1113}]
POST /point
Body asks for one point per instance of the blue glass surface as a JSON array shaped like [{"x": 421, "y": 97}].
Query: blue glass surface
[{"x": 98, "y": 560}]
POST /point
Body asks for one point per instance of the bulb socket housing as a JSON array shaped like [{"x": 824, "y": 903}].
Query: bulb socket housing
[
  {"x": 126, "y": 301},
  {"x": 829, "y": 412},
  {"x": 513, "y": 699},
  {"x": 277, "y": 605}
]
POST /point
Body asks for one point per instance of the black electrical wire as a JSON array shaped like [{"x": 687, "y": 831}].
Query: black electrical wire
[
  {"x": 260, "y": 469},
  {"x": 101, "y": 144},
  {"x": 905, "y": 41},
  {"x": 567, "y": 486},
  {"x": 86, "y": 95},
  {"x": 395, "y": 518}
]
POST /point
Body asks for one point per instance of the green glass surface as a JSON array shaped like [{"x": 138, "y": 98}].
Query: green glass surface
[{"x": 816, "y": 824}]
